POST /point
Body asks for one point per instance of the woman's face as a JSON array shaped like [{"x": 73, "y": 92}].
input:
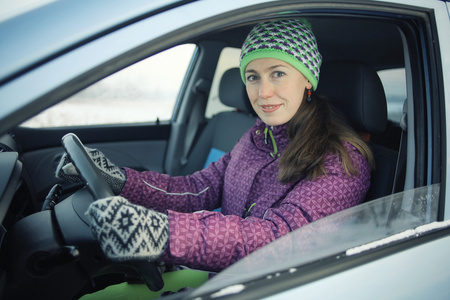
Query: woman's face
[{"x": 275, "y": 89}]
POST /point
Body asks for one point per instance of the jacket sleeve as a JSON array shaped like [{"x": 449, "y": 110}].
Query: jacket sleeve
[
  {"x": 199, "y": 191},
  {"x": 212, "y": 241}
]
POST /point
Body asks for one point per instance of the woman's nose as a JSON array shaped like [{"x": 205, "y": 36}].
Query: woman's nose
[{"x": 266, "y": 89}]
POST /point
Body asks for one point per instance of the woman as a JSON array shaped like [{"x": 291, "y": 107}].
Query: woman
[{"x": 297, "y": 164}]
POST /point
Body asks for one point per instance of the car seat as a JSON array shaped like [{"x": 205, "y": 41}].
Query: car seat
[
  {"x": 225, "y": 128},
  {"x": 356, "y": 90}
]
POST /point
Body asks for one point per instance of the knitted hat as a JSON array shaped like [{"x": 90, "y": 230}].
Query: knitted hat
[{"x": 291, "y": 41}]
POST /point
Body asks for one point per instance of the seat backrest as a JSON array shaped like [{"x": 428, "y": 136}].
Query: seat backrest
[
  {"x": 356, "y": 90},
  {"x": 224, "y": 129}
]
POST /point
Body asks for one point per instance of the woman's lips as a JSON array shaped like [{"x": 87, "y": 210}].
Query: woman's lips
[{"x": 270, "y": 108}]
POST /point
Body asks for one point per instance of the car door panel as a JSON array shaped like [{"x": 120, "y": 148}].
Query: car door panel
[{"x": 137, "y": 147}]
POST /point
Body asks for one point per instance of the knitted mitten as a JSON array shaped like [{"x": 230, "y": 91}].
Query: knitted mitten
[
  {"x": 112, "y": 174},
  {"x": 127, "y": 231}
]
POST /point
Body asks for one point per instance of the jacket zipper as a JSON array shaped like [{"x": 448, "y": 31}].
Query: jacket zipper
[
  {"x": 247, "y": 211},
  {"x": 272, "y": 139}
]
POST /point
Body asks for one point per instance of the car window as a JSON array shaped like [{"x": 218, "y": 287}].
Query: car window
[
  {"x": 229, "y": 58},
  {"x": 394, "y": 83},
  {"x": 350, "y": 232},
  {"x": 143, "y": 92}
]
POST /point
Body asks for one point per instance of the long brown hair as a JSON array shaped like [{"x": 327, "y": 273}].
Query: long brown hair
[{"x": 315, "y": 130}]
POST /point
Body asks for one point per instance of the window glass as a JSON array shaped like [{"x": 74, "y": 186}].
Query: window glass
[
  {"x": 229, "y": 58},
  {"x": 143, "y": 92},
  {"x": 394, "y": 83},
  {"x": 389, "y": 219}
]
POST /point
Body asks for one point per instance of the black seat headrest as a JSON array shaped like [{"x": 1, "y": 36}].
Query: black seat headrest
[
  {"x": 357, "y": 91},
  {"x": 232, "y": 91}
]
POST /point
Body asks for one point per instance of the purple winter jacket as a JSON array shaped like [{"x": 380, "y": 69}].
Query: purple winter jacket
[{"x": 256, "y": 207}]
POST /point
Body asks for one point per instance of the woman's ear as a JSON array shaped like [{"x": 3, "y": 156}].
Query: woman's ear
[{"x": 309, "y": 85}]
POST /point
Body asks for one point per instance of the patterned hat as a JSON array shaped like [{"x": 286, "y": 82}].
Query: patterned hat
[{"x": 291, "y": 41}]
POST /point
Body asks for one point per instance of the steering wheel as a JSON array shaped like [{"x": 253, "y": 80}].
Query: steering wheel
[
  {"x": 85, "y": 167},
  {"x": 98, "y": 188}
]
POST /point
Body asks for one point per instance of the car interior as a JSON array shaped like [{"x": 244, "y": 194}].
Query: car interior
[
  {"x": 223, "y": 130},
  {"x": 348, "y": 78},
  {"x": 354, "y": 48},
  {"x": 184, "y": 143}
]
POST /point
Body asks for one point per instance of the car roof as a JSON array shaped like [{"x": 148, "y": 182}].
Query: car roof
[{"x": 54, "y": 28}]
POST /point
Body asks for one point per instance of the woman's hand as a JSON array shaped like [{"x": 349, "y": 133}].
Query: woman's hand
[
  {"x": 127, "y": 231},
  {"x": 112, "y": 174}
]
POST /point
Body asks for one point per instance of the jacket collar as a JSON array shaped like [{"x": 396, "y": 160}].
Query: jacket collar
[
  {"x": 279, "y": 134},
  {"x": 279, "y": 131}
]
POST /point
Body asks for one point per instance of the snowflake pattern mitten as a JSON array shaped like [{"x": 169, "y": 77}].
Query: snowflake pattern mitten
[
  {"x": 127, "y": 231},
  {"x": 112, "y": 174}
]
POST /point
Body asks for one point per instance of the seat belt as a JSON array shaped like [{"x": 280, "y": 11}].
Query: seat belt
[
  {"x": 196, "y": 118},
  {"x": 401, "y": 161}
]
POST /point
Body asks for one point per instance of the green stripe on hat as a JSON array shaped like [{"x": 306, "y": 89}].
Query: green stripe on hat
[{"x": 272, "y": 53}]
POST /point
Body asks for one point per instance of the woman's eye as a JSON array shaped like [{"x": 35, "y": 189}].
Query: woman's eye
[
  {"x": 278, "y": 74},
  {"x": 252, "y": 78}
]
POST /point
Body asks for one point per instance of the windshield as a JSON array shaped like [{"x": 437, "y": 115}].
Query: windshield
[{"x": 338, "y": 233}]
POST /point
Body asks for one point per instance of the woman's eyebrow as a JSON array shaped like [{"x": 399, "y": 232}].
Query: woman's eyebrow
[
  {"x": 276, "y": 66},
  {"x": 267, "y": 69}
]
